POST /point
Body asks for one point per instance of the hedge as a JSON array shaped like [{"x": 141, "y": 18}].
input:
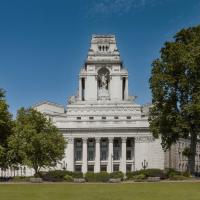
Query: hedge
[
  {"x": 147, "y": 173},
  {"x": 116, "y": 175},
  {"x": 59, "y": 175},
  {"x": 97, "y": 177}
]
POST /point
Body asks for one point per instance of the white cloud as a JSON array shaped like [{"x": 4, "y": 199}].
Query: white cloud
[{"x": 118, "y": 7}]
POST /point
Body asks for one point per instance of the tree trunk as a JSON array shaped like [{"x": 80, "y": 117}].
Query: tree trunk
[
  {"x": 191, "y": 158},
  {"x": 36, "y": 171}
]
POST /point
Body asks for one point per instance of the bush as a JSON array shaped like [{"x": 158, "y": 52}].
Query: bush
[
  {"x": 186, "y": 174},
  {"x": 147, "y": 173},
  {"x": 139, "y": 177},
  {"x": 68, "y": 178},
  {"x": 117, "y": 175},
  {"x": 155, "y": 173},
  {"x": 20, "y": 179},
  {"x": 54, "y": 176},
  {"x": 97, "y": 177},
  {"x": 172, "y": 172},
  {"x": 59, "y": 175},
  {"x": 178, "y": 177},
  {"x": 77, "y": 174}
]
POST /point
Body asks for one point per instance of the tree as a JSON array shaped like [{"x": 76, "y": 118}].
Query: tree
[
  {"x": 35, "y": 142},
  {"x": 6, "y": 125},
  {"x": 175, "y": 86}
]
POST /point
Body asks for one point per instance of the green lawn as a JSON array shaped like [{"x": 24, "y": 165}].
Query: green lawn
[{"x": 138, "y": 191}]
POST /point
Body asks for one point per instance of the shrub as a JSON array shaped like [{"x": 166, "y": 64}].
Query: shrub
[
  {"x": 186, "y": 174},
  {"x": 76, "y": 174},
  {"x": 155, "y": 173},
  {"x": 147, "y": 173},
  {"x": 59, "y": 175},
  {"x": 172, "y": 172},
  {"x": 20, "y": 179},
  {"x": 54, "y": 176},
  {"x": 178, "y": 177},
  {"x": 97, "y": 177},
  {"x": 117, "y": 175},
  {"x": 68, "y": 178},
  {"x": 139, "y": 177}
]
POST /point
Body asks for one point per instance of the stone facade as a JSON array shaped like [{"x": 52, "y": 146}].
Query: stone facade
[{"x": 105, "y": 129}]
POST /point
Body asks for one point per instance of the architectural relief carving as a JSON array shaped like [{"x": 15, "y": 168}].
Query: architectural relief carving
[{"x": 144, "y": 139}]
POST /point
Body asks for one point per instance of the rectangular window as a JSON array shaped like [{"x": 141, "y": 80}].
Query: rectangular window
[
  {"x": 129, "y": 167},
  {"x": 90, "y": 168},
  {"x": 91, "y": 118},
  {"x": 78, "y": 168},
  {"x": 91, "y": 155},
  {"x": 116, "y": 117},
  {"x": 103, "y": 117},
  {"x": 83, "y": 89},
  {"x": 115, "y": 168},
  {"x": 116, "y": 155},
  {"x": 103, "y": 168},
  {"x": 128, "y": 155},
  {"x": 123, "y": 88},
  {"x": 78, "y": 155},
  {"x": 103, "y": 155}
]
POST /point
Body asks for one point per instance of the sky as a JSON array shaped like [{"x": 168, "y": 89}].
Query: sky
[{"x": 44, "y": 43}]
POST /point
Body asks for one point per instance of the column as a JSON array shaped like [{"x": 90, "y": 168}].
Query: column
[
  {"x": 110, "y": 155},
  {"x": 80, "y": 89},
  {"x": 97, "y": 155},
  {"x": 70, "y": 154},
  {"x": 84, "y": 159},
  {"x": 123, "y": 158}
]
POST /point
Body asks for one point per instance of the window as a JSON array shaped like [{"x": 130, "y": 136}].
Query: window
[
  {"x": 78, "y": 168},
  {"x": 91, "y": 118},
  {"x": 128, "y": 117},
  {"x": 115, "y": 168},
  {"x": 104, "y": 143},
  {"x": 129, "y": 167},
  {"x": 103, "y": 117},
  {"x": 90, "y": 168},
  {"x": 91, "y": 155},
  {"x": 103, "y": 168},
  {"x": 129, "y": 143},
  {"x": 116, "y": 117},
  {"x": 78, "y": 143},
  {"x": 91, "y": 144},
  {"x": 128, "y": 155},
  {"x": 79, "y": 118},
  {"x": 78, "y": 155},
  {"x": 116, "y": 155},
  {"x": 103, "y": 155}
]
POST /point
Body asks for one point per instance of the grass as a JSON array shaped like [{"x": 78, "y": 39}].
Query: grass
[{"x": 138, "y": 191}]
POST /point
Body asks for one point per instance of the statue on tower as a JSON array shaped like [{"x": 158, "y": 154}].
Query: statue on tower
[
  {"x": 103, "y": 92},
  {"x": 104, "y": 81}
]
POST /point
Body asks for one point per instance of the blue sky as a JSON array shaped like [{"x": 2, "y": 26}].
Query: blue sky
[{"x": 43, "y": 43}]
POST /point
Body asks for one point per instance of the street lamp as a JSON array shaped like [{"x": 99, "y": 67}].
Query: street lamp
[{"x": 144, "y": 164}]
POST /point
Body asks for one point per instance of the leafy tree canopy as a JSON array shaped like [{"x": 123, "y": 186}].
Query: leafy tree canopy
[
  {"x": 35, "y": 142},
  {"x": 175, "y": 86},
  {"x": 6, "y": 125}
]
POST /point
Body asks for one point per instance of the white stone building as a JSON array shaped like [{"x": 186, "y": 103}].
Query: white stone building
[{"x": 105, "y": 129}]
